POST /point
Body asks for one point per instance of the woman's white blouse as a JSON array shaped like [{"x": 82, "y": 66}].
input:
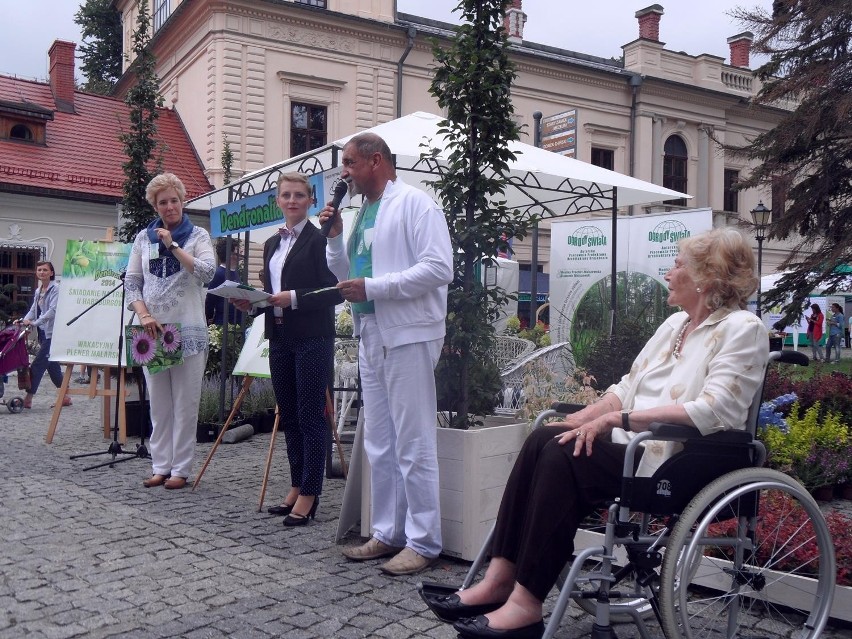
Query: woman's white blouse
[
  {"x": 173, "y": 295},
  {"x": 720, "y": 367}
]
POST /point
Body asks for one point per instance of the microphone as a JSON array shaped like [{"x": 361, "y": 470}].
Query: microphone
[{"x": 341, "y": 189}]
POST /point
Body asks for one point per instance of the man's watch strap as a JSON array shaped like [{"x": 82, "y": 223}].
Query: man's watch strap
[{"x": 625, "y": 420}]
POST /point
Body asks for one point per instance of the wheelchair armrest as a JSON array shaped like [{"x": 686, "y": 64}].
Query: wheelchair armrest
[
  {"x": 673, "y": 432},
  {"x": 556, "y": 409},
  {"x": 566, "y": 409},
  {"x": 789, "y": 357},
  {"x": 682, "y": 433}
]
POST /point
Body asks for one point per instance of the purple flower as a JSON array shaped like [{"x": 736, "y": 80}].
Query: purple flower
[
  {"x": 171, "y": 338},
  {"x": 144, "y": 348}
]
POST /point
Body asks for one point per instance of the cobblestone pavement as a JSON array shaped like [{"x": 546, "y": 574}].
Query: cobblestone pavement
[{"x": 94, "y": 554}]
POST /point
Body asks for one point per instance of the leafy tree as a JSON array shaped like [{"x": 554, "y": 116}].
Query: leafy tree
[
  {"x": 101, "y": 48},
  {"x": 472, "y": 82},
  {"x": 227, "y": 160},
  {"x": 810, "y": 64},
  {"x": 140, "y": 142}
]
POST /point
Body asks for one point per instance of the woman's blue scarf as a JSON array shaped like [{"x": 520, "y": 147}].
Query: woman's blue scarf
[{"x": 179, "y": 235}]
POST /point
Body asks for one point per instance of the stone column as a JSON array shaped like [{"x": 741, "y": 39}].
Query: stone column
[{"x": 657, "y": 149}]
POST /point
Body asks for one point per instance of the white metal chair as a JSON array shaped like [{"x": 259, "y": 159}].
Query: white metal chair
[
  {"x": 346, "y": 384},
  {"x": 551, "y": 357},
  {"x": 508, "y": 350}
]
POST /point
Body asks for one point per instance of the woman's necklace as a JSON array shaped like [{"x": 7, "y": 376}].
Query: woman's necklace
[{"x": 680, "y": 336}]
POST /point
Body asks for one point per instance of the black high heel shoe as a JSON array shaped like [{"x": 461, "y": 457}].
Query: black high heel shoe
[
  {"x": 295, "y": 519},
  {"x": 283, "y": 509}
]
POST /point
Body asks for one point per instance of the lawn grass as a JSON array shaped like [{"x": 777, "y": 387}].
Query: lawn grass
[{"x": 819, "y": 368}]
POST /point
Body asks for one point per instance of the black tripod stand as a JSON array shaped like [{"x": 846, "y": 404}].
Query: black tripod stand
[{"x": 115, "y": 448}]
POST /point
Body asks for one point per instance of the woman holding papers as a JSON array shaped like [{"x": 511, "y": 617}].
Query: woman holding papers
[
  {"x": 299, "y": 323},
  {"x": 170, "y": 264}
]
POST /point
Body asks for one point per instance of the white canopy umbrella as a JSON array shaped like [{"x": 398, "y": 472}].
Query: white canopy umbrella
[{"x": 540, "y": 182}]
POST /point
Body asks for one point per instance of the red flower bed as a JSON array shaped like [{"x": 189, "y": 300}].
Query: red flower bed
[{"x": 780, "y": 518}]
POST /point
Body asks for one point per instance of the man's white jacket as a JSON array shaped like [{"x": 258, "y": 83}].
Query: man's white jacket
[{"x": 412, "y": 266}]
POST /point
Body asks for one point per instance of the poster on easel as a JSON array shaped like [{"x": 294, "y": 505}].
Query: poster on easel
[
  {"x": 91, "y": 270},
  {"x": 254, "y": 356}
]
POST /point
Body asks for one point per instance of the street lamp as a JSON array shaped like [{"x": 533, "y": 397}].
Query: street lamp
[{"x": 760, "y": 217}]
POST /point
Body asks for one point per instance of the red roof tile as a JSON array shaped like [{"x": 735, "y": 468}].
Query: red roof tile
[{"x": 82, "y": 156}]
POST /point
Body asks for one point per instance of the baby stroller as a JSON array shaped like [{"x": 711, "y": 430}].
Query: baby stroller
[{"x": 14, "y": 356}]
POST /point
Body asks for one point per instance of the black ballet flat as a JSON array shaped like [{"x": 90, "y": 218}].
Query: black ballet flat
[
  {"x": 477, "y": 628},
  {"x": 283, "y": 509},
  {"x": 295, "y": 519},
  {"x": 445, "y": 603}
]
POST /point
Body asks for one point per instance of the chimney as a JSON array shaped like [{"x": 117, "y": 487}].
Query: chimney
[
  {"x": 649, "y": 22},
  {"x": 514, "y": 21},
  {"x": 61, "y": 56},
  {"x": 740, "y": 45}
]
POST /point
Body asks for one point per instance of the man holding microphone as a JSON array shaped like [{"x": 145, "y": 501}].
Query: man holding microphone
[{"x": 394, "y": 270}]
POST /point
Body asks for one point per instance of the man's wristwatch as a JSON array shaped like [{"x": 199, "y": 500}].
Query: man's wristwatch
[
  {"x": 625, "y": 419},
  {"x": 173, "y": 245}
]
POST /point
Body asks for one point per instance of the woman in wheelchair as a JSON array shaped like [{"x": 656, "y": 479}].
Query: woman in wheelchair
[{"x": 701, "y": 368}]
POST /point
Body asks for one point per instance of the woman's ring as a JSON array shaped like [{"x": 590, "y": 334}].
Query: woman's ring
[{"x": 581, "y": 434}]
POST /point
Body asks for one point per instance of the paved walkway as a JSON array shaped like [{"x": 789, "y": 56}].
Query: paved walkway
[{"x": 94, "y": 554}]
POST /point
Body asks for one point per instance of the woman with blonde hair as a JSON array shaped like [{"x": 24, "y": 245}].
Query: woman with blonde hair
[
  {"x": 170, "y": 264},
  {"x": 701, "y": 368}
]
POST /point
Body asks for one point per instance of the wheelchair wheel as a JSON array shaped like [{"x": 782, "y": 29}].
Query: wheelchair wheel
[
  {"x": 15, "y": 405},
  {"x": 750, "y": 556}
]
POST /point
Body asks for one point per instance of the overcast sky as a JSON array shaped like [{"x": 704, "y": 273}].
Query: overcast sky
[{"x": 29, "y": 27}]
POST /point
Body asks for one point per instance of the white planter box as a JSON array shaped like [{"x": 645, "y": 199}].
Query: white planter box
[{"x": 474, "y": 466}]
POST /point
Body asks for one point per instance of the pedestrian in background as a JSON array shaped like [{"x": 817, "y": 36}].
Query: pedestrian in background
[
  {"x": 214, "y": 305},
  {"x": 836, "y": 324},
  {"x": 41, "y": 315},
  {"x": 815, "y": 323}
]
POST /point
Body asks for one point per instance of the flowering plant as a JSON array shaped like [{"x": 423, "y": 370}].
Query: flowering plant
[
  {"x": 807, "y": 446},
  {"x": 343, "y": 323},
  {"x": 156, "y": 354},
  {"x": 824, "y": 466},
  {"x": 770, "y": 415}
]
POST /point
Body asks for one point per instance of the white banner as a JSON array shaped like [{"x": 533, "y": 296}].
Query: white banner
[
  {"x": 254, "y": 357},
  {"x": 91, "y": 270},
  {"x": 580, "y": 269}
]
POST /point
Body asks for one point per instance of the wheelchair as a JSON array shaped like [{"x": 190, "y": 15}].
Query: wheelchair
[{"x": 713, "y": 545}]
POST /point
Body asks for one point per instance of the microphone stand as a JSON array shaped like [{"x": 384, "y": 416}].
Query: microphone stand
[{"x": 115, "y": 448}]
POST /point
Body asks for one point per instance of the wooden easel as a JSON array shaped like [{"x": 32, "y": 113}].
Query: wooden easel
[
  {"x": 247, "y": 380},
  {"x": 91, "y": 391}
]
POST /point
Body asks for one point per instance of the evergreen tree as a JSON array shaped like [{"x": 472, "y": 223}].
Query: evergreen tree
[
  {"x": 140, "y": 142},
  {"x": 227, "y": 160},
  {"x": 472, "y": 82},
  {"x": 810, "y": 150},
  {"x": 101, "y": 48}
]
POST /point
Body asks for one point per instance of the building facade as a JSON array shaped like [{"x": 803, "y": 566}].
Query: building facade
[
  {"x": 61, "y": 174},
  {"x": 276, "y": 78}
]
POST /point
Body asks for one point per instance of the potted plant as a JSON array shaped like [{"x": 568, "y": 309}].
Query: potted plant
[
  {"x": 259, "y": 405},
  {"x": 813, "y": 448},
  {"x": 472, "y": 83},
  {"x": 209, "y": 423}
]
